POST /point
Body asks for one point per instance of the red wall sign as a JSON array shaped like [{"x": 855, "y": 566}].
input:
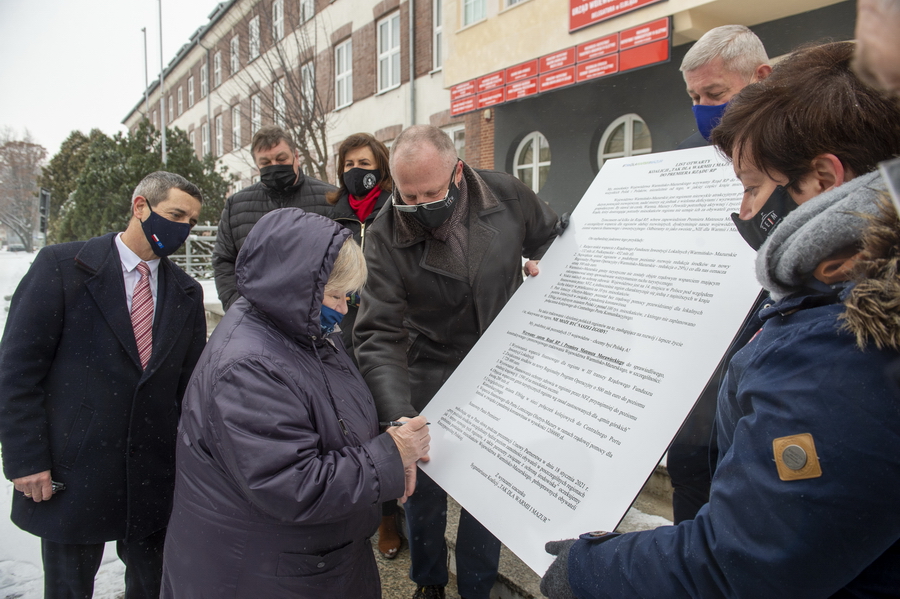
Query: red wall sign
[
  {"x": 557, "y": 60},
  {"x": 490, "y": 98},
  {"x": 461, "y": 90},
  {"x": 644, "y": 55},
  {"x": 556, "y": 79},
  {"x": 651, "y": 32},
  {"x": 597, "y": 48},
  {"x": 597, "y": 68},
  {"x": 462, "y": 106},
  {"x": 521, "y": 71},
  {"x": 520, "y": 89},
  {"x": 587, "y": 12},
  {"x": 491, "y": 81},
  {"x": 629, "y": 49}
]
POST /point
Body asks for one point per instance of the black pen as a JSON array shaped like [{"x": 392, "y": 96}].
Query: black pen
[{"x": 396, "y": 423}]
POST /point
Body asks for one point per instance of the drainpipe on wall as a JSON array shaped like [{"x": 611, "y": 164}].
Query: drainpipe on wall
[
  {"x": 209, "y": 123},
  {"x": 162, "y": 88},
  {"x": 412, "y": 62}
]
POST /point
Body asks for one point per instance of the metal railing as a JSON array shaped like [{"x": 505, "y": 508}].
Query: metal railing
[{"x": 196, "y": 260}]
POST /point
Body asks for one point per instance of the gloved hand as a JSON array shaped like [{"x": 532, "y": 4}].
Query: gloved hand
[
  {"x": 562, "y": 224},
  {"x": 555, "y": 582}
]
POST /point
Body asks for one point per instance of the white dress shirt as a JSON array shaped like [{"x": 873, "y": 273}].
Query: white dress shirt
[{"x": 130, "y": 261}]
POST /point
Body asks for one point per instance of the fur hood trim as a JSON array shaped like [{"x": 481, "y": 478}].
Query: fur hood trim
[{"x": 873, "y": 305}]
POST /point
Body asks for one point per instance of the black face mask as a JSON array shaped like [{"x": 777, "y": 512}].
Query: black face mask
[
  {"x": 433, "y": 214},
  {"x": 360, "y": 181},
  {"x": 756, "y": 230},
  {"x": 277, "y": 177},
  {"x": 165, "y": 236}
]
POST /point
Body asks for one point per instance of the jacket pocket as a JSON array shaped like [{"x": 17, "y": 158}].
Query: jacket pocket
[
  {"x": 76, "y": 435},
  {"x": 306, "y": 564}
]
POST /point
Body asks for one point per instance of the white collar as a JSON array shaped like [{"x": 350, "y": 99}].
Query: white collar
[{"x": 130, "y": 260}]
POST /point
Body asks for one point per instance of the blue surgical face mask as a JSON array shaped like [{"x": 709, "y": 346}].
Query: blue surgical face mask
[
  {"x": 165, "y": 236},
  {"x": 329, "y": 319},
  {"x": 708, "y": 117}
]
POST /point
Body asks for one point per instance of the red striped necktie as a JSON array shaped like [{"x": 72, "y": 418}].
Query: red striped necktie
[{"x": 142, "y": 314}]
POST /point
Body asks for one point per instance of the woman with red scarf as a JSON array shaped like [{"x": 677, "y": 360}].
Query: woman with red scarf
[{"x": 363, "y": 188}]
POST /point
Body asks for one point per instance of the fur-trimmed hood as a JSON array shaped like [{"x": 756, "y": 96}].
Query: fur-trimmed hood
[{"x": 873, "y": 305}]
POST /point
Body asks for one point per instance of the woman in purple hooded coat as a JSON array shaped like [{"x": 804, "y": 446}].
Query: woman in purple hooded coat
[{"x": 281, "y": 470}]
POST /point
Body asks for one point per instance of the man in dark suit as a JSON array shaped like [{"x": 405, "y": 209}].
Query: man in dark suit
[{"x": 99, "y": 345}]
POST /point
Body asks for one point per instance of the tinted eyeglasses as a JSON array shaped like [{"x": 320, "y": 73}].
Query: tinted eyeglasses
[{"x": 435, "y": 205}]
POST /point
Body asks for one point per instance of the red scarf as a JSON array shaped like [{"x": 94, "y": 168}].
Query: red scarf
[{"x": 363, "y": 207}]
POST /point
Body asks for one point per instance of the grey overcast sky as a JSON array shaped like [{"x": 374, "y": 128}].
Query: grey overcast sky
[{"x": 79, "y": 64}]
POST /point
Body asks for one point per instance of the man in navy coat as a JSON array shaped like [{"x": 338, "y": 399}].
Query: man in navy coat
[{"x": 81, "y": 405}]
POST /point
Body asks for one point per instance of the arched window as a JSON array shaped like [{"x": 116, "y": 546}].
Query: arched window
[
  {"x": 628, "y": 135},
  {"x": 532, "y": 161}
]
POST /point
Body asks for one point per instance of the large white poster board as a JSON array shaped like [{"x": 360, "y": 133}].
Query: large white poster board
[{"x": 556, "y": 418}]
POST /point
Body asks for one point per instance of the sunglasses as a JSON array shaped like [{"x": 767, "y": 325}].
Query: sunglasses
[{"x": 435, "y": 205}]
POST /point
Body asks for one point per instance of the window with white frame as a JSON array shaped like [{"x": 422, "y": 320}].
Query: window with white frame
[
  {"x": 458, "y": 134},
  {"x": 217, "y": 69},
  {"x": 278, "y": 102},
  {"x": 220, "y": 136},
  {"x": 437, "y": 41},
  {"x": 235, "y": 128},
  {"x": 307, "y": 8},
  {"x": 235, "y": 51},
  {"x": 628, "y": 135},
  {"x": 509, "y": 3},
  {"x": 277, "y": 20},
  {"x": 190, "y": 91},
  {"x": 389, "y": 52},
  {"x": 532, "y": 161},
  {"x": 308, "y": 86},
  {"x": 255, "y": 113},
  {"x": 204, "y": 80},
  {"x": 171, "y": 109},
  {"x": 343, "y": 74},
  {"x": 180, "y": 95},
  {"x": 253, "y": 47},
  {"x": 155, "y": 119},
  {"x": 192, "y": 136},
  {"x": 473, "y": 11},
  {"x": 204, "y": 139}
]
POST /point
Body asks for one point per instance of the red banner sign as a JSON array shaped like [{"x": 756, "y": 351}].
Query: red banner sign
[
  {"x": 461, "y": 90},
  {"x": 597, "y": 48},
  {"x": 644, "y": 55},
  {"x": 557, "y": 60},
  {"x": 467, "y": 104},
  {"x": 597, "y": 68},
  {"x": 651, "y": 32},
  {"x": 520, "y": 89},
  {"x": 556, "y": 79},
  {"x": 492, "y": 81},
  {"x": 521, "y": 71},
  {"x": 587, "y": 12},
  {"x": 490, "y": 98}
]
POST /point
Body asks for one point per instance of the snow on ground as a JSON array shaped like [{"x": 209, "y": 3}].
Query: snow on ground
[{"x": 21, "y": 574}]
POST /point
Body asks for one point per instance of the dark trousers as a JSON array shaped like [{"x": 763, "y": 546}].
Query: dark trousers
[
  {"x": 69, "y": 570},
  {"x": 477, "y": 550}
]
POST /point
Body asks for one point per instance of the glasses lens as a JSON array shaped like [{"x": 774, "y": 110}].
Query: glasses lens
[{"x": 399, "y": 205}]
